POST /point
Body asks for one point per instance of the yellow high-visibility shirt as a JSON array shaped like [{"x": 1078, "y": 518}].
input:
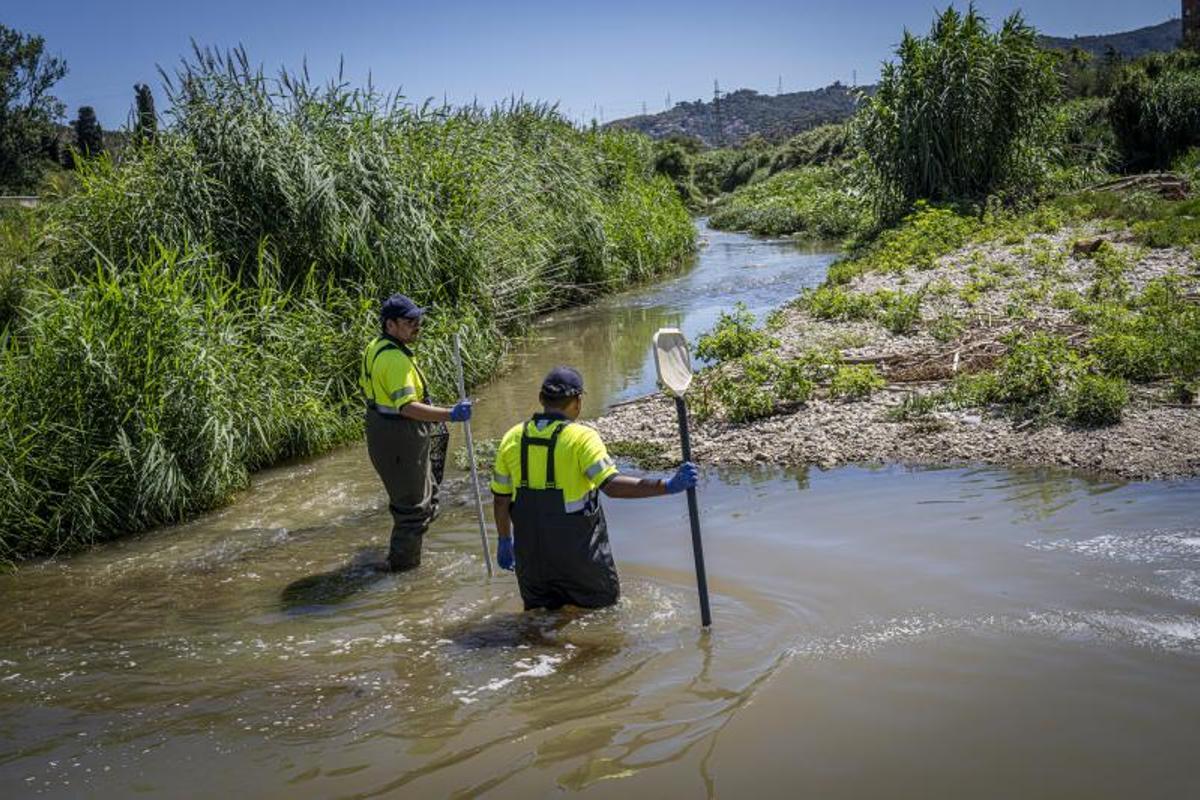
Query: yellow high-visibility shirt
[
  {"x": 581, "y": 461},
  {"x": 388, "y": 377}
]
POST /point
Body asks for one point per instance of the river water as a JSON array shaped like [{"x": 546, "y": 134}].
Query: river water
[{"x": 881, "y": 632}]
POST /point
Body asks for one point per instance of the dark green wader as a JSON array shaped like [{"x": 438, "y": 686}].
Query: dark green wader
[
  {"x": 410, "y": 457},
  {"x": 562, "y": 559}
]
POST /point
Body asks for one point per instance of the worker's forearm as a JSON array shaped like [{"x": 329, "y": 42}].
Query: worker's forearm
[
  {"x": 423, "y": 412},
  {"x": 501, "y": 505},
  {"x": 625, "y": 486}
]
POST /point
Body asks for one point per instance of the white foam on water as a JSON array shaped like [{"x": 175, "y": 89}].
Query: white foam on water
[
  {"x": 874, "y": 636},
  {"x": 539, "y": 666},
  {"x": 1174, "y": 633},
  {"x": 650, "y": 607},
  {"x": 395, "y": 637},
  {"x": 1144, "y": 547},
  {"x": 1175, "y": 553},
  {"x": 1178, "y": 633},
  {"x": 1181, "y": 584},
  {"x": 1169, "y": 632},
  {"x": 543, "y": 667}
]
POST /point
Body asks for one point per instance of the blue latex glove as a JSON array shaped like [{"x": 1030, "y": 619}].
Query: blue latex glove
[
  {"x": 504, "y": 553},
  {"x": 461, "y": 411},
  {"x": 684, "y": 478}
]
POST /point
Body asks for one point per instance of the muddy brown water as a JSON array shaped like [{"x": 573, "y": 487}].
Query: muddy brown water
[{"x": 881, "y": 632}]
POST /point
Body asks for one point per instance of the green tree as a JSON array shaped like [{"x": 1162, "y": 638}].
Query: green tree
[
  {"x": 1079, "y": 74},
  {"x": 27, "y": 109},
  {"x": 1108, "y": 71},
  {"x": 89, "y": 138},
  {"x": 958, "y": 118},
  {"x": 145, "y": 124}
]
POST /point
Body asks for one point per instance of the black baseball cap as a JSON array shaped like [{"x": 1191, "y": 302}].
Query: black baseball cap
[
  {"x": 400, "y": 306},
  {"x": 562, "y": 382}
]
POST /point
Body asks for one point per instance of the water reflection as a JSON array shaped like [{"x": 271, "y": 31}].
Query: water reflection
[
  {"x": 610, "y": 341},
  {"x": 315, "y": 592}
]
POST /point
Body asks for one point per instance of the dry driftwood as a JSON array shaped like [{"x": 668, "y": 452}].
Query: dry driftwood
[
  {"x": 1164, "y": 184},
  {"x": 978, "y": 351}
]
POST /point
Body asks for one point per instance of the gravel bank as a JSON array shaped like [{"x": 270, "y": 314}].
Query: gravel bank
[{"x": 1154, "y": 440}]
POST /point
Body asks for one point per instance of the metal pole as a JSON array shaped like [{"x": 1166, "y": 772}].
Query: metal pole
[
  {"x": 694, "y": 515},
  {"x": 462, "y": 395}
]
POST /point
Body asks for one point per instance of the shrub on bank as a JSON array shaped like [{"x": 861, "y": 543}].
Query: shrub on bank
[
  {"x": 817, "y": 202},
  {"x": 724, "y": 170},
  {"x": 961, "y": 115},
  {"x": 1042, "y": 376},
  {"x": 758, "y": 384},
  {"x": 1155, "y": 109},
  {"x": 733, "y": 336},
  {"x": 1096, "y": 400},
  {"x": 823, "y": 144},
  {"x": 855, "y": 381},
  {"x": 899, "y": 312},
  {"x": 915, "y": 242},
  {"x": 837, "y": 303}
]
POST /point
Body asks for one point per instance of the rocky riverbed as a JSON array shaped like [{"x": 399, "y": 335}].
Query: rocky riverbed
[{"x": 980, "y": 293}]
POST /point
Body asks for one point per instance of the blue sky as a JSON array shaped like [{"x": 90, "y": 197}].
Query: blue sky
[{"x": 613, "y": 56}]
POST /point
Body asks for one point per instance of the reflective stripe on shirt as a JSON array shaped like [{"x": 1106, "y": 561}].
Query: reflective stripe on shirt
[
  {"x": 598, "y": 467},
  {"x": 577, "y": 505}
]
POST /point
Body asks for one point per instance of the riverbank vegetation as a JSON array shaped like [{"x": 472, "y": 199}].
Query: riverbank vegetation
[
  {"x": 822, "y": 201},
  {"x": 1067, "y": 336},
  {"x": 967, "y": 118},
  {"x": 999, "y": 262},
  {"x": 1064, "y": 314},
  {"x": 198, "y": 310}
]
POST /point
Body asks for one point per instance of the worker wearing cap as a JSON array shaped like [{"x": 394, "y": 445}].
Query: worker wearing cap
[
  {"x": 546, "y": 482},
  {"x": 403, "y": 428}
]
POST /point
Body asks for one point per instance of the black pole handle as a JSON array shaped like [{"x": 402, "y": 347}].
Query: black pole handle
[{"x": 694, "y": 515}]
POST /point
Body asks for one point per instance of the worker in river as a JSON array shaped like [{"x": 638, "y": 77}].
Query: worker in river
[
  {"x": 406, "y": 433},
  {"x": 546, "y": 482}
]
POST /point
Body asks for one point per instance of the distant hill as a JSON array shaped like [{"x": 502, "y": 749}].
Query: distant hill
[
  {"x": 746, "y": 112},
  {"x": 1130, "y": 44}
]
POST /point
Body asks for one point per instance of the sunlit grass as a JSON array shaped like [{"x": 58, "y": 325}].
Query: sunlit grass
[{"x": 198, "y": 310}]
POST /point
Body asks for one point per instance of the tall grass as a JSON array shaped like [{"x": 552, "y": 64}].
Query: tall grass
[
  {"x": 959, "y": 117},
  {"x": 1155, "y": 109},
  {"x": 145, "y": 392},
  {"x": 198, "y": 310}
]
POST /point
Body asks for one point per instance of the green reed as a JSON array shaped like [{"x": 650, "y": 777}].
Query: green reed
[{"x": 197, "y": 310}]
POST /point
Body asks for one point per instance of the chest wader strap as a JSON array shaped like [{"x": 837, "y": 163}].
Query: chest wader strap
[
  {"x": 421, "y": 375},
  {"x": 528, "y": 441},
  {"x": 369, "y": 364}
]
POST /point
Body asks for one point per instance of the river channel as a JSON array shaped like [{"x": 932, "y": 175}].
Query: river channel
[{"x": 878, "y": 631}]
